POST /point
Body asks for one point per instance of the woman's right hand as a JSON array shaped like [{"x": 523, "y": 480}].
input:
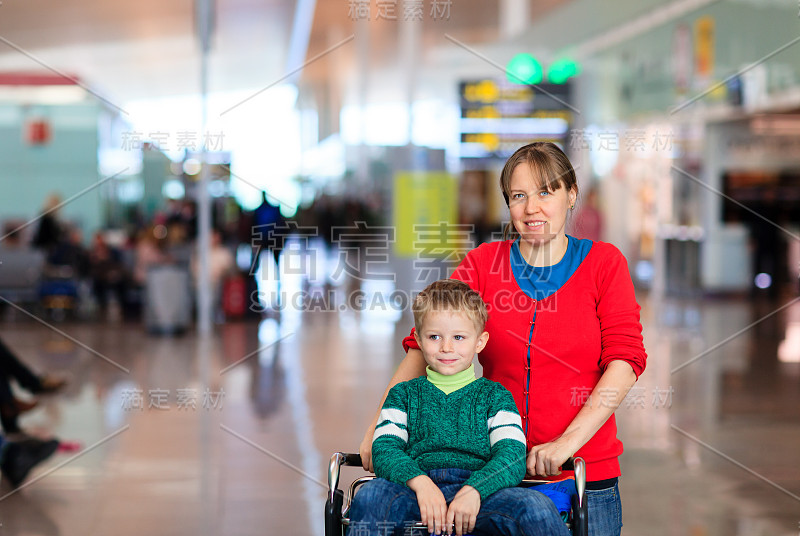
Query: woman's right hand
[{"x": 365, "y": 450}]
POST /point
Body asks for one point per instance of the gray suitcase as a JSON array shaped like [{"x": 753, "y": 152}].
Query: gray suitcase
[{"x": 168, "y": 306}]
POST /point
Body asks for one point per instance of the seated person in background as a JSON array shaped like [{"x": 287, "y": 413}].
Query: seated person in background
[
  {"x": 71, "y": 254},
  {"x": 17, "y": 458},
  {"x": 449, "y": 447},
  {"x": 11, "y": 407},
  {"x": 12, "y": 235},
  {"x": 107, "y": 272}
]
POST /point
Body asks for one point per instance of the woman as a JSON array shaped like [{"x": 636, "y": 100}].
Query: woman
[{"x": 565, "y": 336}]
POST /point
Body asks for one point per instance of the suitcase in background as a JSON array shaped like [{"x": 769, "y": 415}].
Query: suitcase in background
[
  {"x": 167, "y": 300},
  {"x": 234, "y": 296}
]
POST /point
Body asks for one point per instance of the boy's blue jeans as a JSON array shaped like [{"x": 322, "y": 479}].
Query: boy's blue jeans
[{"x": 383, "y": 508}]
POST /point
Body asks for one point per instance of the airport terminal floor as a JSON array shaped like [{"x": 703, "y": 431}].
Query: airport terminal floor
[{"x": 232, "y": 435}]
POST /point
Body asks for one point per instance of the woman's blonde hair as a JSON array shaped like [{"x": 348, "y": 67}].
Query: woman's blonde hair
[
  {"x": 450, "y": 295},
  {"x": 549, "y": 165}
]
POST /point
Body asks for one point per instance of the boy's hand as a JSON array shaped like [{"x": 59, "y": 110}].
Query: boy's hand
[
  {"x": 432, "y": 505},
  {"x": 463, "y": 510}
]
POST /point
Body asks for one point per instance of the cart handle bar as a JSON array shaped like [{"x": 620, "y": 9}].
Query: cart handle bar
[{"x": 354, "y": 460}]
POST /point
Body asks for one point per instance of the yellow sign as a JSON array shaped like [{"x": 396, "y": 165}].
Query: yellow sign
[
  {"x": 704, "y": 47},
  {"x": 483, "y": 91},
  {"x": 425, "y": 213}
]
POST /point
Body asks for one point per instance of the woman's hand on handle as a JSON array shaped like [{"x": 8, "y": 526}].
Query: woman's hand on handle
[
  {"x": 546, "y": 459},
  {"x": 607, "y": 395},
  {"x": 365, "y": 449}
]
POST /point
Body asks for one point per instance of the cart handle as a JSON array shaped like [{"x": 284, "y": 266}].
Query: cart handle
[{"x": 354, "y": 460}]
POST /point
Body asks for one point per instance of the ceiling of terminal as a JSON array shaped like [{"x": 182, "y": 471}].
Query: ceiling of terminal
[{"x": 147, "y": 48}]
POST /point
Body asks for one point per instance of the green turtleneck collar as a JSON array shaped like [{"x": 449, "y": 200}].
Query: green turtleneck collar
[{"x": 454, "y": 382}]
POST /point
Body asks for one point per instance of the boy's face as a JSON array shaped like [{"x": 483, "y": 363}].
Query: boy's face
[{"x": 449, "y": 340}]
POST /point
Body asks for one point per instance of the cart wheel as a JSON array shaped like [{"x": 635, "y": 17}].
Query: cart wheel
[{"x": 333, "y": 515}]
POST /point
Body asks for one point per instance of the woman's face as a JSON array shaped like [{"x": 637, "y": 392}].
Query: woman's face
[{"x": 538, "y": 215}]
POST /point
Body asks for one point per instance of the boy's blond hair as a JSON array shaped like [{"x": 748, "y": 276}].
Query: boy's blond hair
[{"x": 450, "y": 295}]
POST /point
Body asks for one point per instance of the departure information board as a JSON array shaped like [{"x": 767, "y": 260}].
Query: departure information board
[{"x": 497, "y": 117}]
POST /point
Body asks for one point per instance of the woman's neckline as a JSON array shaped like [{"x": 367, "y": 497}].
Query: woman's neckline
[{"x": 518, "y": 241}]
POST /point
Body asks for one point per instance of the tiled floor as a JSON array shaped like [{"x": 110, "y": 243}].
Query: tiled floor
[{"x": 711, "y": 448}]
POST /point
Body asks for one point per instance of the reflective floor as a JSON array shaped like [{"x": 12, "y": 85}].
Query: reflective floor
[{"x": 231, "y": 436}]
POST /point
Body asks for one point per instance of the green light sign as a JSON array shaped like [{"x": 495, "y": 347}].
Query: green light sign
[
  {"x": 561, "y": 70},
  {"x": 524, "y": 69}
]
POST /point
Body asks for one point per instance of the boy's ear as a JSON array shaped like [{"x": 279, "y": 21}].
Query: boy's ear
[
  {"x": 416, "y": 338},
  {"x": 483, "y": 338}
]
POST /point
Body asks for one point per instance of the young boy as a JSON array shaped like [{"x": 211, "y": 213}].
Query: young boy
[{"x": 449, "y": 448}]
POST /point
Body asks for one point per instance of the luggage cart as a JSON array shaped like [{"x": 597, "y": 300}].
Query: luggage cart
[{"x": 337, "y": 505}]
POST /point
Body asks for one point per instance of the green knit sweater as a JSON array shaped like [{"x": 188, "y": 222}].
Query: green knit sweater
[{"x": 476, "y": 428}]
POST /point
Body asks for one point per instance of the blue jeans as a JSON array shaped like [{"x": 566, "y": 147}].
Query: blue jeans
[
  {"x": 605, "y": 512},
  {"x": 383, "y": 508}
]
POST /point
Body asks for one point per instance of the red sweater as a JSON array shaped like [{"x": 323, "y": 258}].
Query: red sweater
[{"x": 572, "y": 335}]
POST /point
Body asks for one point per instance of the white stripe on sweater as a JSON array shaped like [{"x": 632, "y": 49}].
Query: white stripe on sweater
[
  {"x": 506, "y": 432},
  {"x": 391, "y": 429},
  {"x": 397, "y": 416},
  {"x": 503, "y": 418}
]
